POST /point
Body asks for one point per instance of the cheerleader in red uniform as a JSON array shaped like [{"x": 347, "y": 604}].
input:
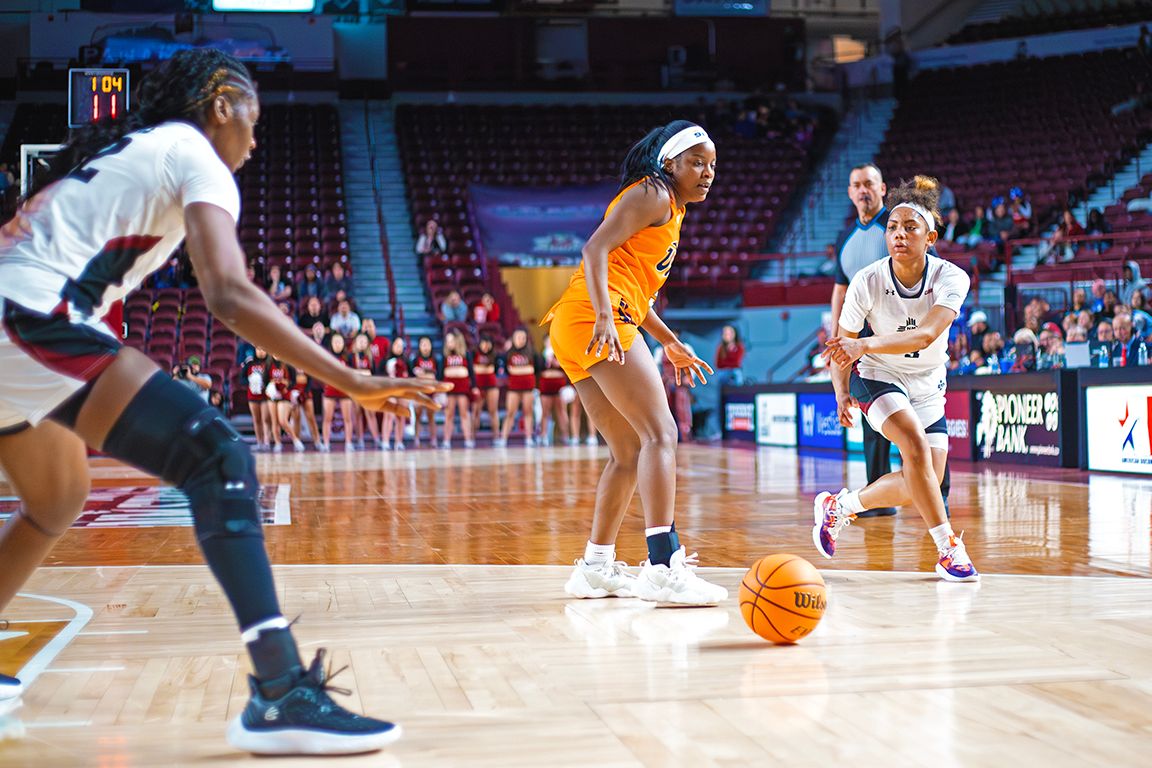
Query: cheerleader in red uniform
[
  {"x": 424, "y": 366},
  {"x": 303, "y": 408},
  {"x": 254, "y": 372},
  {"x": 552, "y": 381},
  {"x": 456, "y": 369},
  {"x": 522, "y": 365},
  {"x": 280, "y": 380},
  {"x": 334, "y": 397},
  {"x": 484, "y": 362},
  {"x": 397, "y": 367},
  {"x": 363, "y": 359}
]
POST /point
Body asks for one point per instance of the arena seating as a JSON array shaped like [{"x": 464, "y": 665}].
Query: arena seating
[
  {"x": 1080, "y": 17},
  {"x": 447, "y": 147},
  {"x": 1045, "y": 125}
]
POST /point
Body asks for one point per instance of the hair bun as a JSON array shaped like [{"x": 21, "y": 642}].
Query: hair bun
[{"x": 926, "y": 183}]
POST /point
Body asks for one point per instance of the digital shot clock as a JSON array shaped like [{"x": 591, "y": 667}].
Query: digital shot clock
[{"x": 94, "y": 94}]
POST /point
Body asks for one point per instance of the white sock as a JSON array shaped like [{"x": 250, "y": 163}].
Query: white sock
[
  {"x": 941, "y": 534},
  {"x": 598, "y": 554},
  {"x": 850, "y": 502},
  {"x": 657, "y": 529}
]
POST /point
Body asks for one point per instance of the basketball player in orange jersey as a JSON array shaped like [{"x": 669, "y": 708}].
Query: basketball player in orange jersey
[{"x": 595, "y": 326}]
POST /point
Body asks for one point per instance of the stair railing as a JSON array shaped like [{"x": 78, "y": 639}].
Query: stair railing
[{"x": 396, "y": 316}]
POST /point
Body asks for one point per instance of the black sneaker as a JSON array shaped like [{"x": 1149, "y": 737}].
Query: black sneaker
[{"x": 306, "y": 721}]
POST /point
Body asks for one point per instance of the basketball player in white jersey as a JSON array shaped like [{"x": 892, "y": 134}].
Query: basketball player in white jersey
[
  {"x": 898, "y": 377},
  {"x": 116, "y": 202}
]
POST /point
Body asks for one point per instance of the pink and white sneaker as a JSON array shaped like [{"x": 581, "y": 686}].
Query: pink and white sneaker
[{"x": 830, "y": 519}]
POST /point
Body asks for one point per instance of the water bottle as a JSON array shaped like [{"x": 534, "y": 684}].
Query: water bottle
[
  {"x": 1102, "y": 354},
  {"x": 1142, "y": 354}
]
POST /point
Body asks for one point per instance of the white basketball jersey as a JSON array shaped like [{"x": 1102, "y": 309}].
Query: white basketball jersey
[
  {"x": 876, "y": 297},
  {"x": 92, "y": 237}
]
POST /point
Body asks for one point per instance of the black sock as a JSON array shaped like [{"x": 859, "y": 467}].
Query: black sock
[{"x": 276, "y": 660}]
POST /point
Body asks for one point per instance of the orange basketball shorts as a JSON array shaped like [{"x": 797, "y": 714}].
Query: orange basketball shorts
[{"x": 571, "y": 330}]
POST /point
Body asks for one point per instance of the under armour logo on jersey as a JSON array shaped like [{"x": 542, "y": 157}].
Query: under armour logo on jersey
[
  {"x": 889, "y": 292},
  {"x": 909, "y": 324}
]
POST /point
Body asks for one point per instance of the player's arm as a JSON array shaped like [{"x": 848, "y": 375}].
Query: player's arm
[
  {"x": 642, "y": 206},
  {"x": 839, "y": 291},
  {"x": 845, "y": 351},
  {"x": 841, "y": 376},
  {"x": 220, "y": 268}
]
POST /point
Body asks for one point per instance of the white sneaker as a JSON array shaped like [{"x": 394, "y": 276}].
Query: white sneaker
[
  {"x": 530, "y": 441},
  {"x": 677, "y": 583},
  {"x": 400, "y": 447},
  {"x": 277, "y": 447},
  {"x": 600, "y": 580},
  {"x": 469, "y": 443},
  {"x": 591, "y": 440},
  {"x": 499, "y": 442},
  {"x": 298, "y": 446}
]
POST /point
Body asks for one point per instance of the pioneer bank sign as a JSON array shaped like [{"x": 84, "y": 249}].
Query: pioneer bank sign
[{"x": 1019, "y": 426}]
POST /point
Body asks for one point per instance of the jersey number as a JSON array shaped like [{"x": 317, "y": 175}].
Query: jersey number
[
  {"x": 665, "y": 263},
  {"x": 87, "y": 174}
]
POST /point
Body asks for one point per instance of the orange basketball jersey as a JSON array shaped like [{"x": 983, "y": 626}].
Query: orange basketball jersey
[{"x": 637, "y": 269}]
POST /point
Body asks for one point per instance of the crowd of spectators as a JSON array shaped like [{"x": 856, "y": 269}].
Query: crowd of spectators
[{"x": 1104, "y": 329}]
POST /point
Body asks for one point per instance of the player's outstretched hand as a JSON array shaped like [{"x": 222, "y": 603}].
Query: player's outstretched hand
[
  {"x": 843, "y": 351},
  {"x": 381, "y": 393},
  {"x": 686, "y": 363},
  {"x": 606, "y": 339}
]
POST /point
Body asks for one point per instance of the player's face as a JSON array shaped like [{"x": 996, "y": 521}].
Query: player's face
[
  {"x": 908, "y": 235},
  {"x": 867, "y": 190},
  {"x": 234, "y": 124},
  {"x": 693, "y": 172}
]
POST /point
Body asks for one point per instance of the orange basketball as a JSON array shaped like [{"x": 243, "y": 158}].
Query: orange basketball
[{"x": 782, "y": 598}]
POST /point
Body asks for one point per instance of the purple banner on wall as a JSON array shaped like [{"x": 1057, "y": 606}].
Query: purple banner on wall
[{"x": 533, "y": 226}]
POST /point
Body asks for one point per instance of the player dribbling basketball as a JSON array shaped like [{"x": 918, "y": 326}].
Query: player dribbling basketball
[{"x": 898, "y": 377}]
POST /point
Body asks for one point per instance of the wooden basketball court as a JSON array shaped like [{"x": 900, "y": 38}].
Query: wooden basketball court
[{"x": 437, "y": 576}]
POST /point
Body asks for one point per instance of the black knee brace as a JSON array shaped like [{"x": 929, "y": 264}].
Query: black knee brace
[{"x": 169, "y": 432}]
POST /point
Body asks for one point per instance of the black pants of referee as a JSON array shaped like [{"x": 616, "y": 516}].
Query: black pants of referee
[{"x": 878, "y": 462}]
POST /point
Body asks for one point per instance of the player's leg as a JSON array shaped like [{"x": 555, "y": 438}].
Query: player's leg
[
  {"x": 450, "y": 407},
  {"x": 348, "y": 416},
  {"x": 511, "y": 406},
  {"x": 637, "y": 392},
  {"x": 308, "y": 407},
  {"x": 598, "y": 574},
  {"x": 138, "y": 415},
  {"x": 528, "y": 415},
  {"x": 48, "y": 467},
  {"x": 547, "y": 418},
  {"x": 329, "y": 415},
  {"x": 255, "y": 407},
  {"x": 877, "y": 464}
]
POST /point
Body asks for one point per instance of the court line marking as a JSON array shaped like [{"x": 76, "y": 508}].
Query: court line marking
[
  {"x": 46, "y": 655},
  {"x": 103, "y": 632},
  {"x": 68, "y": 670},
  {"x": 59, "y": 724}
]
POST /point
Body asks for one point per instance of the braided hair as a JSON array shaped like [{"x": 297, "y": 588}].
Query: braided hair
[
  {"x": 643, "y": 161},
  {"x": 182, "y": 88}
]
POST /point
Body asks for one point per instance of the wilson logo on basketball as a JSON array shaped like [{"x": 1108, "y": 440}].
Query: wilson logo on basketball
[{"x": 811, "y": 600}]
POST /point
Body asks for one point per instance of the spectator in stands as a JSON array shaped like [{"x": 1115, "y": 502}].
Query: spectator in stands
[
  {"x": 310, "y": 285},
  {"x": 1109, "y": 310},
  {"x": 729, "y": 358},
  {"x": 1079, "y": 301},
  {"x": 1023, "y": 352},
  {"x": 1103, "y": 333},
  {"x": 954, "y": 228},
  {"x": 977, "y": 329},
  {"x": 1098, "y": 291},
  {"x": 992, "y": 350},
  {"x": 1058, "y": 245},
  {"x": 169, "y": 276},
  {"x": 1128, "y": 349},
  {"x": 453, "y": 309},
  {"x": 278, "y": 287},
  {"x": 1132, "y": 281},
  {"x": 313, "y": 313},
  {"x": 947, "y": 200},
  {"x": 397, "y": 367},
  {"x": 1000, "y": 224},
  {"x": 1139, "y": 307},
  {"x": 337, "y": 280},
  {"x": 345, "y": 322},
  {"x": 1098, "y": 225},
  {"x": 194, "y": 377},
  {"x": 320, "y": 333},
  {"x": 216, "y": 400},
  {"x": 431, "y": 241},
  {"x": 972, "y": 364},
  {"x": 485, "y": 310},
  {"x": 1076, "y": 334},
  {"x": 380, "y": 345},
  {"x": 1021, "y": 209},
  {"x": 978, "y": 231}
]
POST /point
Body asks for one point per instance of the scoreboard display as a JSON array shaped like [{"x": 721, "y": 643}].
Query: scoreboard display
[{"x": 94, "y": 94}]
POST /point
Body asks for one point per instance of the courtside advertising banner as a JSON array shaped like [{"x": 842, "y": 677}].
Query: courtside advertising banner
[
  {"x": 958, "y": 415},
  {"x": 1119, "y": 428},
  {"x": 739, "y": 418},
  {"x": 776, "y": 419},
  {"x": 1019, "y": 427},
  {"x": 819, "y": 426},
  {"x": 528, "y": 225}
]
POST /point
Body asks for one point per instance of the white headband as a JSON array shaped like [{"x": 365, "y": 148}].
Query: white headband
[
  {"x": 929, "y": 219},
  {"x": 689, "y": 137}
]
